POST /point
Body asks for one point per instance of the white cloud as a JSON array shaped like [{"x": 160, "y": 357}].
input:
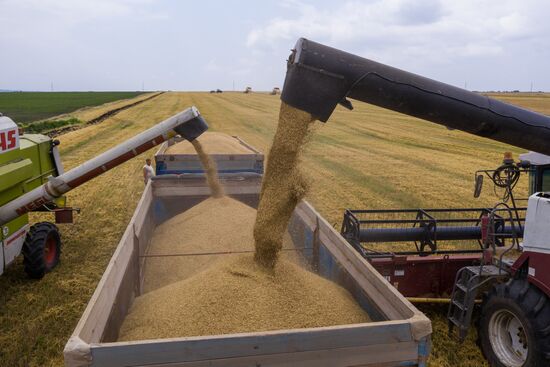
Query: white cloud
[
  {"x": 114, "y": 44},
  {"x": 429, "y": 28}
]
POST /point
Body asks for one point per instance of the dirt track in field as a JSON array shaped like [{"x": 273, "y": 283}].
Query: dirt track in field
[
  {"x": 96, "y": 120},
  {"x": 366, "y": 158}
]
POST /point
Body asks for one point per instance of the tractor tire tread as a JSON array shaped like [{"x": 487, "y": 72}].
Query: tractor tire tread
[
  {"x": 536, "y": 308},
  {"x": 33, "y": 249},
  {"x": 540, "y": 304},
  {"x": 545, "y": 331}
]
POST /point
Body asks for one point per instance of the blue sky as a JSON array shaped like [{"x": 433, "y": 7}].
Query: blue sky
[{"x": 203, "y": 45}]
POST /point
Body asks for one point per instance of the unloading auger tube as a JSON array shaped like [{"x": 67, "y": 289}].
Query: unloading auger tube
[
  {"x": 188, "y": 123},
  {"x": 319, "y": 77}
]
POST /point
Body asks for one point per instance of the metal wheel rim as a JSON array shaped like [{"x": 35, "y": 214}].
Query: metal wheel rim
[
  {"x": 50, "y": 250},
  {"x": 508, "y": 338}
]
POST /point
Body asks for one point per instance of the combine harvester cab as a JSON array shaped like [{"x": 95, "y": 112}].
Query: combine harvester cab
[{"x": 398, "y": 336}]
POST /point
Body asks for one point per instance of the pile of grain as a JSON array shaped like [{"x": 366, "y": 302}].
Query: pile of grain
[
  {"x": 214, "y": 225},
  {"x": 213, "y": 143},
  {"x": 283, "y": 184},
  {"x": 238, "y": 295},
  {"x": 210, "y": 169}
]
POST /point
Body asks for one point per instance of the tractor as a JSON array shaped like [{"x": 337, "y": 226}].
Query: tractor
[
  {"x": 509, "y": 276},
  {"x": 32, "y": 179}
]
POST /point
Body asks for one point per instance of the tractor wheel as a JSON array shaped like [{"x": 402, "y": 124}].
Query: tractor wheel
[
  {"x": 514, "y": 327},
  {"x": 41, "y": 250}
]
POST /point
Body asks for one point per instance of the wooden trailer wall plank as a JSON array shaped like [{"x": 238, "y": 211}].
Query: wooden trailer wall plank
[
  {"x": 92, "y": 325},
  {"x": 305, "y": 230},
  {"x": 398, "y": 354},
  {"x": 339, "y": 261},
  {"x": 131, "y": 282},
  {"x": 383, "y": 295},
  {"x": 192, "y": 158},
  {"x": 170, "y": 185},
  {"x": 385, "y": 289},
  {"x": 251, "y": 344},
  {"x": 250, "y": 160},
  {"x": 94, "y": 319}
]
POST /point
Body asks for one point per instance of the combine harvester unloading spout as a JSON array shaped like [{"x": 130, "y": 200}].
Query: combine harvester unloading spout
[
  {"x": 320, "y": 77},
  {"x": 189, "y": 124},
  {"x": 33, "y": 180}
]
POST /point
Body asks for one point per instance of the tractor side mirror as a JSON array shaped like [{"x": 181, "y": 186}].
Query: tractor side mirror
[{"x": 478, "y": 186}]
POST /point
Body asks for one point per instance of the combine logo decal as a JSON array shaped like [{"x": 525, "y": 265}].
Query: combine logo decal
[
  {"x": 9, "y": 140},
  {"x": 32, "y": 205}
]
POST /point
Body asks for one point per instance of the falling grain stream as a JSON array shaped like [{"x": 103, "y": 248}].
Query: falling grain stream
[
  {"x": 210, "y": 169},
  {"x": 283, "y": 184}
]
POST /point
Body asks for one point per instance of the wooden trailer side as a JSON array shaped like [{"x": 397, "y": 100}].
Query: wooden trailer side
[
  {"x": 346, "y": 345},
  {"x": 403, "y": 340},
  {"x": 113, "y": 295},
  {"x": 187, "y": 163}
]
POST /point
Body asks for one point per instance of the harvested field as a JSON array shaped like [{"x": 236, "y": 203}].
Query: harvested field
[
  {"x": 213, "y": 143},
  {"x": 366, "y": 158}
]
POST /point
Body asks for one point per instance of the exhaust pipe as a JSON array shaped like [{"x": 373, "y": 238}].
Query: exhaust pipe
[
  {"x": 189, "y": 124},
  {"x": 319, "y": 77}
]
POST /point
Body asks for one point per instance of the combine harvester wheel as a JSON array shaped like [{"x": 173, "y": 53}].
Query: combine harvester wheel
[{"x": 42, "y": 249}]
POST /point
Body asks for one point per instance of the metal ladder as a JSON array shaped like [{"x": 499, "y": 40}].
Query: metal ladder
[
  {"x": 466, "y": 288},
  {"x": 470, "y": 279}
]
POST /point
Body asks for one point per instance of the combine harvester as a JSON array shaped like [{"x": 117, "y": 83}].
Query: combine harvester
[
  {"x": 514, "y": 325},
  {"x": 32, "y": 179},
  {"x": 318, "y": 78}
]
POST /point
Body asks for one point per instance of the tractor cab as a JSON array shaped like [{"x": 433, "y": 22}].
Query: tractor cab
[{"x": 539, "y": 174}]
